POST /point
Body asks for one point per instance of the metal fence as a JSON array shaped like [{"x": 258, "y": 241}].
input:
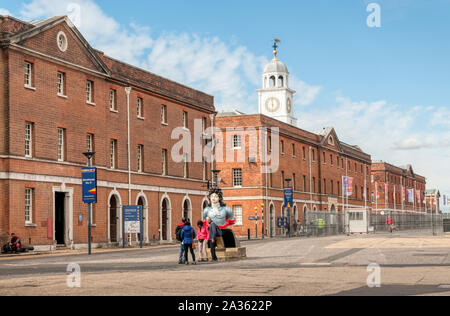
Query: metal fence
[
  {"x": 403, "y": 221},
  {"x": 317, "y": 223}
]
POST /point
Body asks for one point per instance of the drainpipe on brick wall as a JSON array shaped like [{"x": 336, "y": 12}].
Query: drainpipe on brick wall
[
  {"x": 310, "y": 179},
  {"x": 128, "y": 91},
  {"x": 213, "y": 148},
  {"x": 321, "y": 187}
]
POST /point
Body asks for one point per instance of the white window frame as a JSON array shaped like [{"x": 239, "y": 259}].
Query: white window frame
[
  {"x": 164, "y": 161},
  {"x": 140, "y": 150},
  {"x": 61, "y": 82},
  {"x": 89, "y": 91},
  {"x": 28, "y": 68},
  {"x": 237, "y": 141},
  {"x": 112, "y": 100},
  {"x": 28, "y": 140},
  {"x": 140, "y": 104},
  {"x": 204, "y": 169},
  {"x": 61, "y": 144},
  {"x": 90, "y": 144},
  {"x": 204, "y": 122},
  {"x": 164, "y": 114},
  {"x": 237, "y": 178},
  {"x": 185, "y": 119},
  {"x": 185, "y": 167},
  {"x": 29, "y": 206},
  {"x": 238, "y": 215},
  {"x": 112, "y": 153}
]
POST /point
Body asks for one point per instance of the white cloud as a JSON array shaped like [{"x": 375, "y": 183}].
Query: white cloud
[
  {"x": 389, "y": 133},
  {"x": 102, "y": 31},
  {"x": 441, "y": 117},
  {"x": 228, "y": 71},
  {"x": 4, "y": 12},
  {"x": 306, "y": 94},
  {"x": 411, "y": 143}
]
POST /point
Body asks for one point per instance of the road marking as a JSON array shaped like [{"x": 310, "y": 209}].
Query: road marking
[
  {"x": 341, "y": 255},
  {"x": 316, "y": 264}
]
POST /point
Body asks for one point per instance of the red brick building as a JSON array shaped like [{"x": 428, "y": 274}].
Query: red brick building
[
  {"x": 315, "y": 164},
  {"x": 397, "y": 189},
  {"x": 59, "y": 97}
]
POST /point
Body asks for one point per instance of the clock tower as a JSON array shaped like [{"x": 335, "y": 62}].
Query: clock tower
[{"x": 276, "y": 99}]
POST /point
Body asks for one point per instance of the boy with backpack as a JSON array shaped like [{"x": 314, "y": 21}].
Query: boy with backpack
[{"x": 178, "y": 235}]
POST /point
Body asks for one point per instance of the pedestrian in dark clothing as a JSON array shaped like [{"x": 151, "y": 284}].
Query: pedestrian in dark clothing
[
  {"x": 212, "y": 238},
  {"x": 178, "y": 235},
  {"x": 188, "y": 236}
]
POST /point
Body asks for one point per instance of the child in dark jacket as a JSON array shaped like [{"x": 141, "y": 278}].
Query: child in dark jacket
[
  {"x": 188, "y": 236},
  {"x": 178, "y": 235}
]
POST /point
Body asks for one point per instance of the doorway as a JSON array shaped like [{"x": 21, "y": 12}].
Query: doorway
[
  {"x": 164, "y": 221},
  {"x": 113, "y": 219},
  {"x": 60, "y": 218}
]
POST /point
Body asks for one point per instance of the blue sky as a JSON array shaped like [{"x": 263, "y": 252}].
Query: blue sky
[{"x": 385, "y": 89}]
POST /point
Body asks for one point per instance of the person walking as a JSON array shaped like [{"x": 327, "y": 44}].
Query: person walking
[
  {"x": 390, "y": 223},
  {"x": 179, "y": 239},
  {"x": 212, "y": 238},
  {"x": 202, "y": 236},
  {"x": 188, "y": 236}
]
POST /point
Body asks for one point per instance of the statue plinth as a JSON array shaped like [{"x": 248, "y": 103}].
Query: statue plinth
[{"x": 229, "y": 247}]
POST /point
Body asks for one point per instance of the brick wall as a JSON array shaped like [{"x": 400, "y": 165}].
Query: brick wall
[{"x": 48, "y": 112}]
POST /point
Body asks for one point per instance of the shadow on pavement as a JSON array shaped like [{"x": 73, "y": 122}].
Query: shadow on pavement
[{"x": 395, "y": 290}]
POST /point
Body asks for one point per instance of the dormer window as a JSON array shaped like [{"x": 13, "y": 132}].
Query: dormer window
[{"x": 331, "y": 140}]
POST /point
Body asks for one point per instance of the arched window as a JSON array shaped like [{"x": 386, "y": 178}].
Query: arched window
[
  {"x": 280, "y": 81},
  {"x": 272, "y": 81},
  {"x": 265, "y": 82}
]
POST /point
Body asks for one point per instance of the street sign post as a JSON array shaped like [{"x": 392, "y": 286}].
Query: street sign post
[
  {"x": 288, "y": 203},
  {"x": 89, "y": 192},
  {"x": 89, "y": 182},
  {"x": 282, "y": 222},
  {"x": 288, "y": 197},
  {"x": 132, "y": 222}
]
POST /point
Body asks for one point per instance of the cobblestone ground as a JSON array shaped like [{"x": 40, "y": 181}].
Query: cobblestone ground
[{"x": 410, "y": 264}]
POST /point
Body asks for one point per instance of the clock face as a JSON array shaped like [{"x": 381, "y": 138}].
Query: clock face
[
  {"x": 289, "y": 106},
  {"x": 272, "y": 104}
]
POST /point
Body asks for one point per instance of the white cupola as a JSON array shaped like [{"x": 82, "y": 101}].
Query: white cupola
[{"x": 276, "y": 99}]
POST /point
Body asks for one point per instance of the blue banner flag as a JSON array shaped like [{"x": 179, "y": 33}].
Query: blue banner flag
[
  {"x": 89, "y": 184},
  {"x": 288, "y": 197}
]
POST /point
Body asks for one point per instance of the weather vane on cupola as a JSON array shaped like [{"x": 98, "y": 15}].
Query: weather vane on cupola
[{"x": 276, "y": 41}]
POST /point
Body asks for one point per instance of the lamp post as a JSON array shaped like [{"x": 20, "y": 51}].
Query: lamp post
[
  {"x": 262, "y": 218},
  {"x": 256, "y": 221},
  {"x": 89, "y": 156},
  {"x": 215, "y": 182}
]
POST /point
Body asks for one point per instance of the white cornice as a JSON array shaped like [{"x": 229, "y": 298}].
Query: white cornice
[{"x": 103, "y": 184}]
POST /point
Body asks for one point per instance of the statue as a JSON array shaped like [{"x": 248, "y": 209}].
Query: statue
[
  {"x": 218, "y": 211},
  {"x": 228, "y": 245}
]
